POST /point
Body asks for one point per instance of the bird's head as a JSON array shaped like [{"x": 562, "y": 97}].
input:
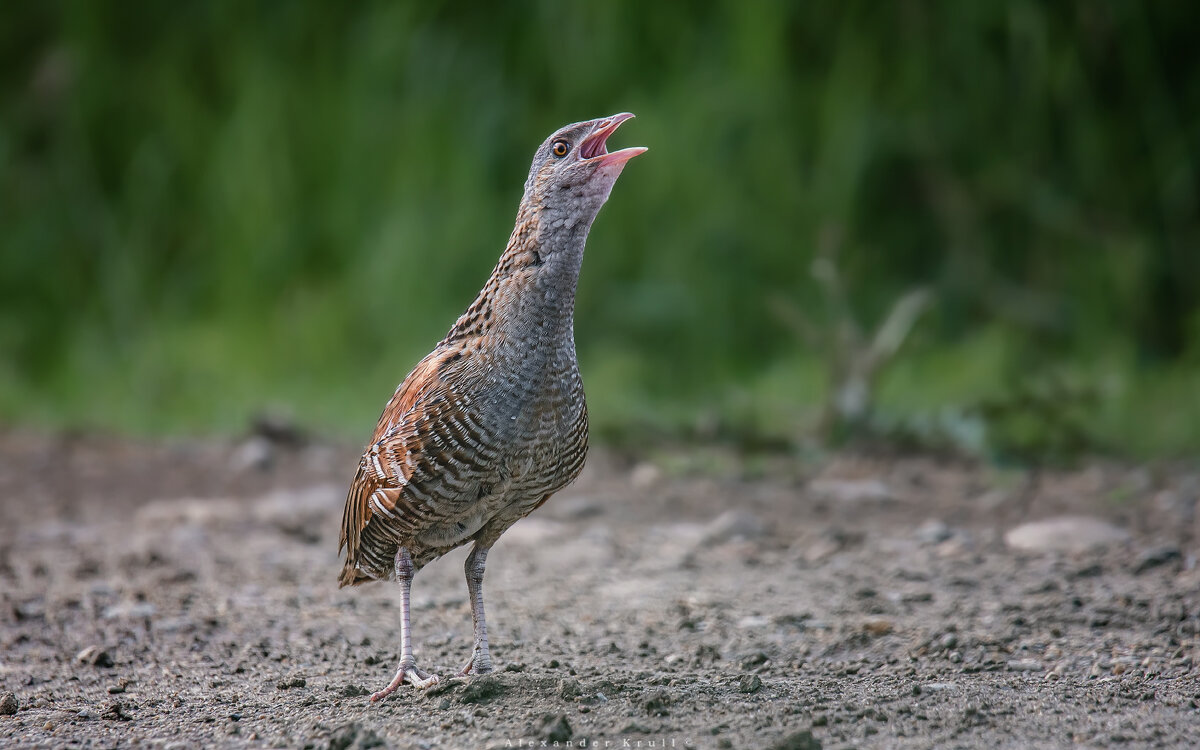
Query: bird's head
[{"x": 573, "y": 173}]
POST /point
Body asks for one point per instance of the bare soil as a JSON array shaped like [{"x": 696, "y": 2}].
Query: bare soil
[{"x": 184, "y": 595}]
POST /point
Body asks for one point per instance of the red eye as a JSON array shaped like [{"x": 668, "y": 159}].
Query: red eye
[{"x": 560, "y": 148}]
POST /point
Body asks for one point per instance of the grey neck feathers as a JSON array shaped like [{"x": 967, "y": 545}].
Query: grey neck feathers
[{"x": 546, "y": 294}]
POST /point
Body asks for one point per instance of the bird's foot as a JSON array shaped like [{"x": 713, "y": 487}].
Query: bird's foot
[
  {"x": 478, "y": 664},
  {"x": 407, "y": 672}
]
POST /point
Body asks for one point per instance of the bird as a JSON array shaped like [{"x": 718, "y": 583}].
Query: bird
[{"x": 493, "y": 421}]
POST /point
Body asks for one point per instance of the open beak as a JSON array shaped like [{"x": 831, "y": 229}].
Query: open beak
[{"x": 593, "y": 146}]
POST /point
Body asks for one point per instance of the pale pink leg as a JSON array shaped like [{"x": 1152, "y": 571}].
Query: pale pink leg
[
  {"x": 408, "y": 665},
  {"x": 480, "y": 661}
]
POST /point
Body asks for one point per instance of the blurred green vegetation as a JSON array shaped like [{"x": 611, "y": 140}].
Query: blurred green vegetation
[{"x": 211, "y": 207}]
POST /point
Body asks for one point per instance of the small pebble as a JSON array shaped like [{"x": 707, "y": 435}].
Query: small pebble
[
  {"x": 8, "y": 704},
  {"x": 1153, "y": 558},
  {"x": 569, "y": 689},
  {"x": 749, "y": 683},
  {"x": 96, "y": 656},
  {"x": 1065, "y": 534},
  {"x": 556, "y": 729},
  {"x": 933, "y": 531},
  {"x": 115, "y": 712}
]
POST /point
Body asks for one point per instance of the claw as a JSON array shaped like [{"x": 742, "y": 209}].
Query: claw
[{"x": 419, "y": 678}]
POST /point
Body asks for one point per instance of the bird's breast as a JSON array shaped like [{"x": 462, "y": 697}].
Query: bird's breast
[{"x": 537, "y": 401}]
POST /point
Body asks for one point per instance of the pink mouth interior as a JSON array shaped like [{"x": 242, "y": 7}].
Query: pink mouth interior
[
  {"x": 594, "y": 147},
  {"x": 595, "y": 144}
]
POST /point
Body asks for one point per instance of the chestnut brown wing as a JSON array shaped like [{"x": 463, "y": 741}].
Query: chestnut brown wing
[{"x": 426, "y": 462}]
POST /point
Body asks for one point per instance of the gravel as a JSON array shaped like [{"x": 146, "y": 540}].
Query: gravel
[{"x": 228, "y": 629}]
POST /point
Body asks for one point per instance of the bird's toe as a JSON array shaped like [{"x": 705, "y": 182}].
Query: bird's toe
[{"x": 421, "y": 679}]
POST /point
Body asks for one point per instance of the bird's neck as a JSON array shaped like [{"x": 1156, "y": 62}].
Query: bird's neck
[{"x": 530, "y": 297}]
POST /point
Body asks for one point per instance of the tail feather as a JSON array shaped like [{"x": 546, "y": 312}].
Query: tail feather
[{"x": 352, "y": 576}]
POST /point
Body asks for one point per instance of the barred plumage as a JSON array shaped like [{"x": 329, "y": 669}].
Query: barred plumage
[{"x": 492, "y": 422}]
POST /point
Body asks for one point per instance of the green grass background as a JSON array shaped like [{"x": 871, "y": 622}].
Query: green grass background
[{"x": 207, "y": 208}]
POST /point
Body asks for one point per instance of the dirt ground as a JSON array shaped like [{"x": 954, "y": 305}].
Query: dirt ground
[{"x": 184, "y": 595}]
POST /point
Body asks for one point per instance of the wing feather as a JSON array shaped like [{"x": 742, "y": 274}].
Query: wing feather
[{"x": 417, "y": 469}]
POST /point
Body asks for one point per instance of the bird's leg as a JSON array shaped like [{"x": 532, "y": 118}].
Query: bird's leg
[
  {"x": 408, "y": 665},
  {"x": 480, "y": 661}
]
